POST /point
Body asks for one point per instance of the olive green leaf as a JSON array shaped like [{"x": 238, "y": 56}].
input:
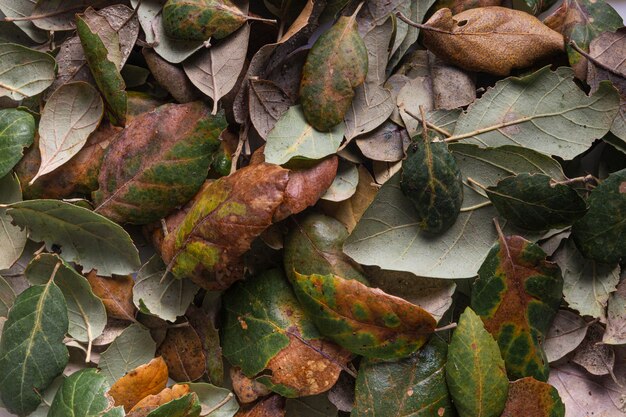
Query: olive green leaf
[
  {"x": 431, "y": 180},
  {"x": 517, "y": 294},
  {"x": 475, "y": 370},
  {"x": 132, "y": 348},
  {"x": 414, "y": 386},
  {"x": 215, "y": 401},
  {"x": 530, "y": 397},
  {"x": 85, "y": 237},
  {"x": 199, "y": 20},
  {"x": 187, "y": 406},
  {"x": 334, "y": 67},
  {"x": 158, "y": 163},
  {"x": 363, "y": 320},
  {"x": 17, "y": 131},
  {"x": 535, "y": 202},
  {"x": 314, "y": 245},
  {"x": 7, "y": 297},
  {"x": 70, "y": 115},
  {"x": 158, "y": 292},
  {"x": 24, "y": 72},
  {"x": 534, "y": 7},
  {"x": 32, "y": 352},
  {"x": 293, "y": 137},
  {"x": 101, "y": 46},
  {"x": 82, "y": 394},
  {"x": 86, "y": 312},
  {"x": 601, "y": 233},
  {"x": 545, "y": 111},
  {"x": 12, "y": 238}
]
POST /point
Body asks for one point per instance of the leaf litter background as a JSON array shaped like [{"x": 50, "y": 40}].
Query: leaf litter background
[{"x": 211, "y": 208}]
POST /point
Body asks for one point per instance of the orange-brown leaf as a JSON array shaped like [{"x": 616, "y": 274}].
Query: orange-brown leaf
[
  {"x": 116, "y": 293},
  {"x": 151, "y": 402},
  {"x": 273, "y": 406},
  {"x": 148, "y": 379},
  {"x": 183, "y": 353}
]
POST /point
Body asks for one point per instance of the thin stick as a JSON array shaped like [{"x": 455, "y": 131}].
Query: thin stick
[
  {"x": 446, "y": 327},
  {"x": 585, "y": 180},
  {"x": 496, "y": 223},
  {"x": 476, "y": 206},
  {"x": 220, "y": 404},
  {"x": 595, "y": 61},
  {"x": 476, "y": 183},
  {"x": 424, "y": 124},
  {"x": 408, "y": 21},
  {"x": 430, "y": 125}
]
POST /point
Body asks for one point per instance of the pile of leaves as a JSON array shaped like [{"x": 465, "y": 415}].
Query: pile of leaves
[{"x": 312, "y": 208}]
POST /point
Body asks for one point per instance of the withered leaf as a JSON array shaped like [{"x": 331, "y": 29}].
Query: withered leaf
[
  {"x": 267, "y": 103},
  {"x": 200, "y": 20},
  {"x": 528, "y": 396},
  {"x": 116, "y": 293},
  {"x": 153, "y": 401},
  {"x": 183, "y": 353},
  {"x": 170, "y": 77},
  {"x": 272, "y": 406},
  {"x": 142, "y": 381}
]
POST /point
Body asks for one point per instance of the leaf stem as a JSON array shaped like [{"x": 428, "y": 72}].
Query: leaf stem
[
  {"x": 430, "y": 125},
  {"x": 587, "y": 180},
  {"x": 220, "y": 404},
  {"x": 496, "y": 223},
  {"x": 595, "y": 61},
  {"x": 446, "y": 327},
  {"x": 476, "y": 206},
  {"x": 408, "y": 21},
  {"x": 472, "y": 181}
]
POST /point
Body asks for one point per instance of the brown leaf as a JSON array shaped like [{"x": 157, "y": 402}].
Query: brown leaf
[
  {"x": 183, "y": 353},
  {"x": 151, "y": 402},
  {"x": 492, "y": 39},
  {"x": 116, "y": 293},
  {"x": 142, "y": 381},
  {"x": 452, "y": 87},
  {"x": 170, "y": 77},
  {"x": 273, "y": 406},
  {"x": 387, "y": 143},
  {"x": 204, "y": 325},
  {"x": 246, "y": 389},
  {"x": 529, "y": 397},
  {"x": 595, "y": 357}
]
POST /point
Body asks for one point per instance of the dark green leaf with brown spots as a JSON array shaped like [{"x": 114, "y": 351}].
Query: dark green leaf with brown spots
[
  {"x": 536, "y": 202},
  {"x": 432, "y": 181},
  {"x": 158, "y": 162},
  {"x": 414, "y": 386},
  {"x": 314, "y": 246},
  {"x": 517, "y": 294},
  {"x": 601, "y": 234},
  {"x": 199, "y": 20},
  {"x": 364, "y": 320},
  {"x": 475, "y": 370},
  {"x": 529, "y": 397},
  {"x": 335, "y": 66}
]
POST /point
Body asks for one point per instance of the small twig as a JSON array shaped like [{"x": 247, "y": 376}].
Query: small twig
[
  {"x": 430, "y": 125},
  {"x": 595, "y": 61},
  {"x": 446, "y": 327},
  {"x": 476, "y": 206},
  {"x": 587, "y": 180},
  {"x": 472, "y": 181},
  {"x": 496, "y": 223},
  {"x": 220, "y": 404},
  {"x": 408, "y": 21},
  {"x": 243, "y": 137}
]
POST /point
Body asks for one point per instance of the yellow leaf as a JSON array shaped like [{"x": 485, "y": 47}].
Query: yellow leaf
[{"x": 142, "y": 381}]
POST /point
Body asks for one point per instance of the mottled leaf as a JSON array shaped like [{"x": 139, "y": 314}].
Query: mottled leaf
[
  {"x": 24, "y": 72},
  {"x": 32, "y": 352},
  {"x": 199, "y": 20},
  {"x": 273, "y": 405},
  {"x": 415, "y": 386},
  {"x": 567, "y": 331},
  {"x": 475, "y": 370},
  {"x": 517, "y": 294},
  {"x": 528, "y": 396},
  {"x": 82, "y": 394},
  {"x": 84, "y": 236},
  {"x": 17, "y": 131},
  {"x": 140, "y": 382},
  {"x": 158, "y": 162},
  {"x": 12, "y": 238},
  {"x": 133, "y": 347},
  {"x": 116, "y": 293}
]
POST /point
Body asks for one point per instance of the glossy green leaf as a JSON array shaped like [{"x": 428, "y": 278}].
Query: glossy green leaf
[
  {"x": 132, "y": 348},
  {"x": 70, "y": 115},
  {"x": 334, "y": 67},
  {"x": 431, "y": 180},
  {"x": 535, "y": 202},
  {"x": 363, "y": 320},
  {"x": 215, "y": 401},
  {"x": 293, "y": 137},
  {"x": 17, "y": 131},
  {"x": 102, "y": 51},
  {"x": 415, "y": 386},
  {"x": 545, "y": 111},
  {"x": 601, "y": 234},
  {"x": 158, "y": 163},
  {"x": 86, "y": 312},
  {"x": 314, "y": 245},
  {"x": 82, "y": 395},
  {"x": 187, "y": 406},
  {"x": 530, "y": 397},
  {"x": 32, "y": 352},
  {"x": 24, "y": 72},
  {"x": 12, "y": 238},
  {"x": 159, "y": 293},
  {"x": 84, "y": 236},
  {"x": 199, "y": 20},
  {"x": 475, "y": 370},
  {"x": 517, "y": 294}
]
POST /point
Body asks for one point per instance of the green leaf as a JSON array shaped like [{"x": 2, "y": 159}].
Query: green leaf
[
  {"x": 601, "y": 233},
  {"x": 294, "y": 137},
  {"x": 158, "y": 163},
  {"x": 24, "y": 72},
  {"x": 215, "y": 401},
  {"x": 21, "y": 9},
  {"x": 517, "y": 294},
  {"x": 431, "y": 180},
  {"x": 533, "y": 398},
  {"x": 7, "y": 297},
  {"x": 32, "y": 352},
  {"x": 199, "y": 20},
  {"x": 82, "y": 394},
  {"x": 533, "y": 7},
  {"x": 87, "y": 315},
  {"x": 85, "y": 237},
  {"x": 314, "y": 247},
  {"x": 388, "y": 234},
  {"x": 545, "y": 111},
  {"x": 587, "y": 283},
  {"x": 158, "y": 292},
  {"x": 315, "y": 406},
  {"x": 475, "y": 370},
  {"x": 334, "y": 67},
  {"x": 415, "y": 386},
  {"x": 535, "y": 202},
  {"x": 17, "y": 131},
  {"x": 104, "y": 61},
  {"x": 12, "y": 238},
  {"x": 363, "y": 320},
  {"x": 71, "y": 114},
  {"x": 132, "y": 348},
  {"x": 187, "y": 406}
]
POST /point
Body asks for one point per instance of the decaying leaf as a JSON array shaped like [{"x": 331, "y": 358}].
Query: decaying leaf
[
  {"x": 137, "y": 384},
  {"x": 116, "y": 293},
  {"x": 596, "y": 357},
  {"x": 12, "y": 238},
  {"x": 153, "y": 401},
  {"x": 199, "y": 20},
  {"x": 183, "y": 353},
  {"x": 272, "y": 406},
  {"x": 267, "y": 103},
  {"x": 615, "y": 333},
  {"x": 528, "y": 396},
  {"x": 130, "y": 349}
]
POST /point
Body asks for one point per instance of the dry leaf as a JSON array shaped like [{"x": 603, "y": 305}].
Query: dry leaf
[
  {"x": 247, "y": 390},
  {"x": 151, "y": 402},
  {"x": 148, "y": 379},
  {"x": 170, "y": 77},
  {"x": 116, "y": 293},
  {"x": 273, "y": 406},
  {"x": 183, "y": 353}
]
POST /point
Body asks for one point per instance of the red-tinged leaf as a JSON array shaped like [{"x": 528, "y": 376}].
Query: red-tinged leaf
[
  {"x": 183, "y": 353},
  {"x": 529, "y": 397}
]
